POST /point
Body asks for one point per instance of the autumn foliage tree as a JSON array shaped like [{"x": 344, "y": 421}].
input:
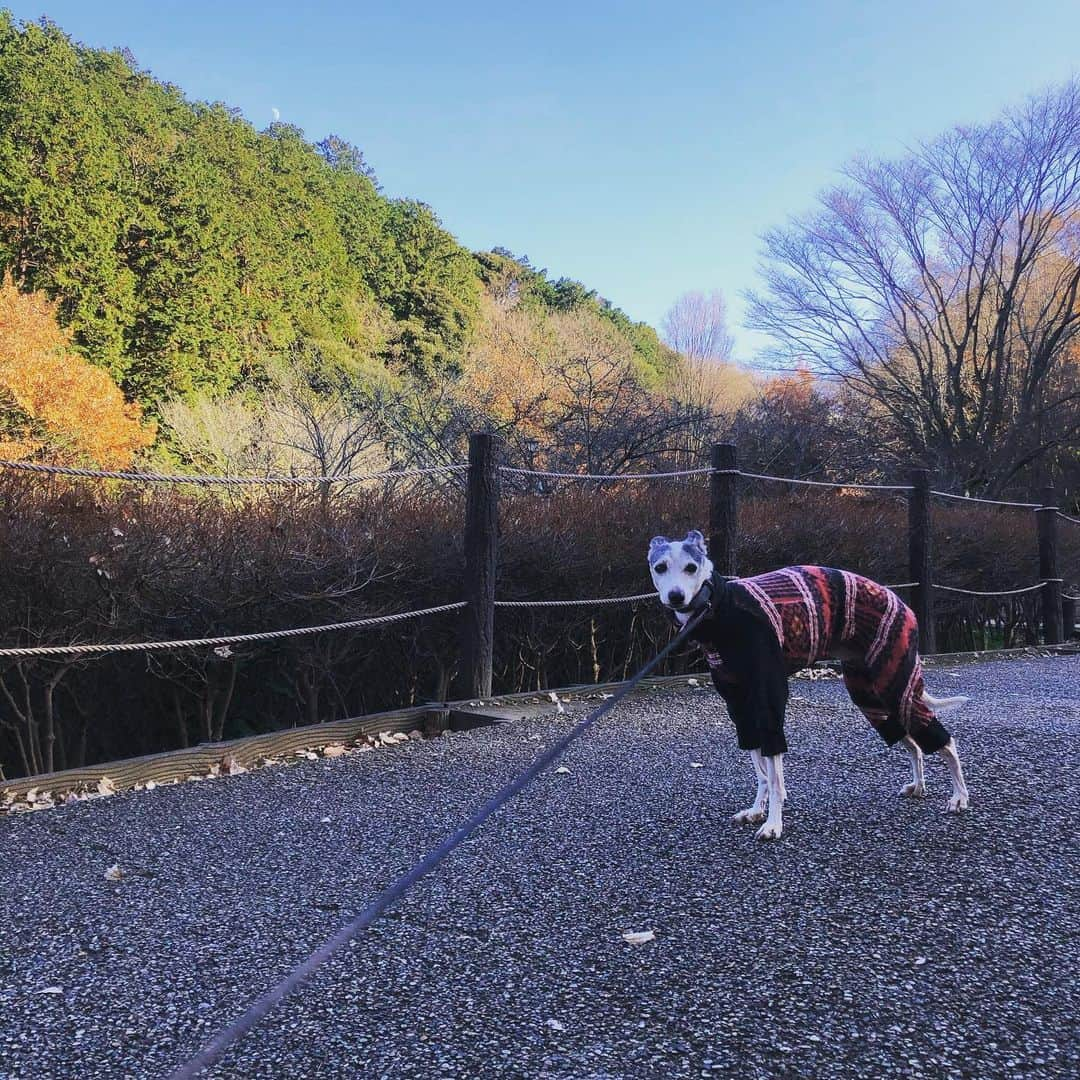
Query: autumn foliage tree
[{"x": 53, "y": 401}]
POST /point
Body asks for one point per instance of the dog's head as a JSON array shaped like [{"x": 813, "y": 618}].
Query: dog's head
[{"x": 679, "y": 568}]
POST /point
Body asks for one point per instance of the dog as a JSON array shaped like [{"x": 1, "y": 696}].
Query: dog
[{"x": 757, "y": 631}]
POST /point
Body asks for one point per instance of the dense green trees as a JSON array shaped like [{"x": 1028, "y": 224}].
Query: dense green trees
[
  {"x": 192, "y": 255},
  {"x": 187, "y": 249}
]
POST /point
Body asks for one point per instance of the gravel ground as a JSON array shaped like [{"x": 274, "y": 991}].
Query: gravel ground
[{"x": 880, "y": 937}]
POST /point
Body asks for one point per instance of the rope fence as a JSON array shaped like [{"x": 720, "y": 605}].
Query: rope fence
[
  {"x": 226, "y": 481},
  {"x": 541, "y": 474},
  {"x": 612, "y": 600},
  {"x": 1002, "y": 592},
  {"x": 853, "y": 485},
  {"x": 39, "y": 651},
  {"x": 483, "y": 499},
  {"x": 986, "y": 502},
  {"x": 205, "y": 480},
  {"x": 819, "y": 483},
  {"x": 222, "y": 642}
]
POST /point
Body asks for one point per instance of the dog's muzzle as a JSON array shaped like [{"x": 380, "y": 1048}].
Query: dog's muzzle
[{"x": 699, "y": 600}]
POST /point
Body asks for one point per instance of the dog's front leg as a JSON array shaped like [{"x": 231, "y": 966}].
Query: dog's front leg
[
  {"x": 774, "y": 824},
  {"x": 756, "y": 812}
]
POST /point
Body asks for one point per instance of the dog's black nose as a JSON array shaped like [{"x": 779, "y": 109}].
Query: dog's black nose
[{"x": 676, "y": 598}]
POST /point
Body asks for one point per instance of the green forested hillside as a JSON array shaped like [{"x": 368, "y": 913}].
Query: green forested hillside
[{"x": 191, "y": 254}]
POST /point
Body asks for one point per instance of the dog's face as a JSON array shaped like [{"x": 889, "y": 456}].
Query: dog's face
[{"x": 679, "y": 568}]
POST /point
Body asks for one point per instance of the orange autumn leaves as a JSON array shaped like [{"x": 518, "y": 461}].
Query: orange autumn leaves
[{"x": 53, "y": 403}]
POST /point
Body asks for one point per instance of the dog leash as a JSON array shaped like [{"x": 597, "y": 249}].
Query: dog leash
[{"x": 213, "y": 1050}]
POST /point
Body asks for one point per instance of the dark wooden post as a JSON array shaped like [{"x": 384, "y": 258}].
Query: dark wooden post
[
  {"x": 1068, "y": 616},
  {"x": 920, "y": 558},
  {"x": 724, "y": 508},
  {"x": 1052, "y": 620},
  {"x": 481, "y": 555}
]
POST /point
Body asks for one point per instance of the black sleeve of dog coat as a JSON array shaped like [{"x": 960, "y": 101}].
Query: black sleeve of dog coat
[
  {"x": 755, "y": 687},
  {"x": 932, "y": 737},
  {"x": 768, "y": 685}
]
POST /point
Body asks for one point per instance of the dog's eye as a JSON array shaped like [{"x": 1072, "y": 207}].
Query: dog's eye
[
  {"x": 661, "y": 567},
  {"x": 690, "y": 568}
]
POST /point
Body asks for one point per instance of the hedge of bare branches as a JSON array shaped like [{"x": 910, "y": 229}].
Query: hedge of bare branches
[{"x": 86, "y": 563}]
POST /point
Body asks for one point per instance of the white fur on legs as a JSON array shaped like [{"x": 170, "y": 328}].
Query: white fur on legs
[
  {"x": 774, "y": 824},
  {"x": 779, "y": 759},
  {"x": 917, "y": 788},
  {"x": 757, "y": 811},
  {"x": 959, "y": 799}
]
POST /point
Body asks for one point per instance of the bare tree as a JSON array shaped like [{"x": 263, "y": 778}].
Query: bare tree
[
  {"x": 943, "y": 288},
  {"x": 603, "y": 417},
  {"x": 696, "y": 327}
]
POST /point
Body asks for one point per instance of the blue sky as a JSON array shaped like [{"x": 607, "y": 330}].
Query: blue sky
[{"x": 641, "y": 148}]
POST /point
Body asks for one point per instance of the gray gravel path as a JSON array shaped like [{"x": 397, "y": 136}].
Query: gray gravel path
[{"x": 878, "y": 938}]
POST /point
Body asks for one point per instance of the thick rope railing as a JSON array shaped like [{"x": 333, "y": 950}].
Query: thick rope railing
[
  {"x": 30, "y": 652},
  {"x": 1002, "y": 592},
  {"x": 220, "y": 642},
  {"x": 814, "y": 483},
  {"x": 226, "y": 481},
  {"x": 575, "y": 603},
  {"x": 834, "y": 485},
  {"x": 986, "y": 502},
  {"x": 603, "y": 476},
  {"x": 213, "y": 1050},
  {"x": 204, "y": 480}
]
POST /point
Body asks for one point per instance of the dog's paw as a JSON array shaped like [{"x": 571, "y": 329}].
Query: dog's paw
[
  {"x": 748, "y": 816},
  {"x": 957, "y": 802},
  {"x": 913, "y": 790},
  {"x": 771, "y": 830}
]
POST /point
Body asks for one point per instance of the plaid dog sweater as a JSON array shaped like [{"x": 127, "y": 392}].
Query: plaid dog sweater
[{"x": 813, "y": 613}]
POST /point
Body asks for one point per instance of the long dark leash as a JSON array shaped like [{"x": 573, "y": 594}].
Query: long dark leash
[{"x": 255, "y": 1012}]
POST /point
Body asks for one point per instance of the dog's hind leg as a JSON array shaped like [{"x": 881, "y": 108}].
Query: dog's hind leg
[
  {"x": 917, "y": 788},
  {"x": 756, "y": 812},
  {"x": 774, "y": 823},
  {"x": 959, "y": 799}
]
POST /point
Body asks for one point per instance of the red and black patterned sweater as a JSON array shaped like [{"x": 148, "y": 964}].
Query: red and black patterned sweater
[{"x": 761, "y": 629}]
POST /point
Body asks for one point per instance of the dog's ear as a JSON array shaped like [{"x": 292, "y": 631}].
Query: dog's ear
[
  {"x": 695, "y": 539},
  {"x": 656, "y": 544}
]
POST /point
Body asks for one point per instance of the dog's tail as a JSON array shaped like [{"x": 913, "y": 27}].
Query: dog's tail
[{"x": 943, "y": 705}]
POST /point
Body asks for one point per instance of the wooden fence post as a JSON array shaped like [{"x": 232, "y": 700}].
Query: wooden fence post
[
  {"x": 920, "y": 558},
  {"x": 724, "y": 508},
  {"x": 1068, "y": 616},
  {"x": 481, "y": 555},
  {"x": 1052, "y": 615}
]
